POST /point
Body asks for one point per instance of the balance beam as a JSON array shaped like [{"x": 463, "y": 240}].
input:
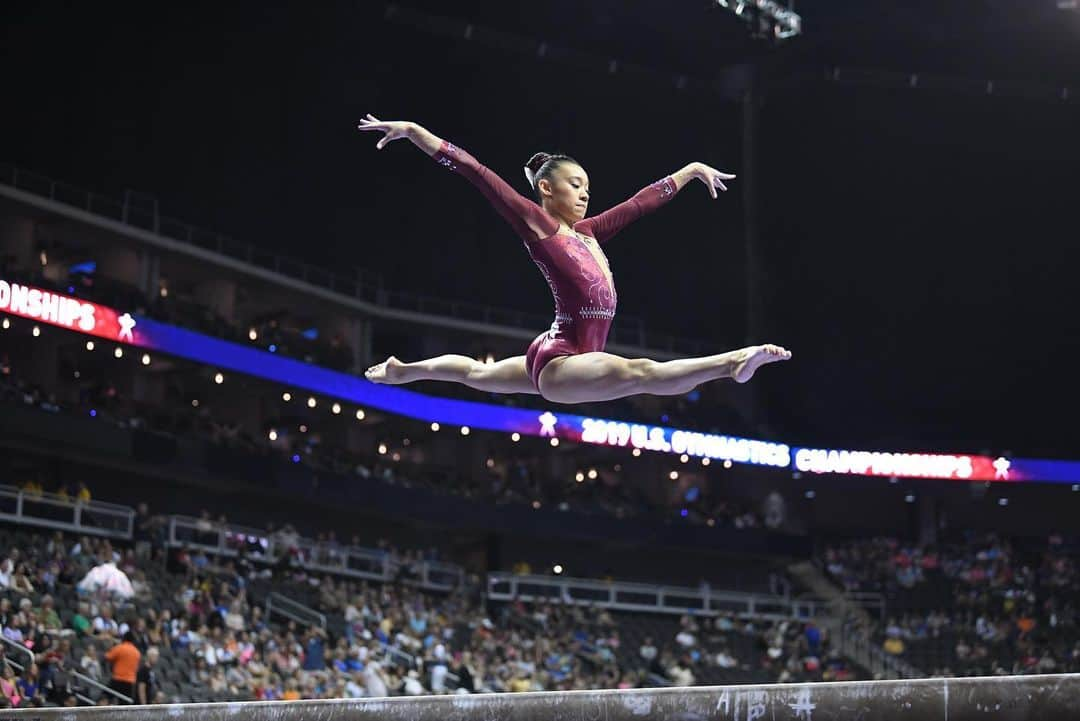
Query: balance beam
[{"x": 1002, "y": 698}]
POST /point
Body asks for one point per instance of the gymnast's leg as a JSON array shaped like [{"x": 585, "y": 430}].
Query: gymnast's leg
[
  {"x": 592, "y": 377},
  {"x": 505, "y": 376}
]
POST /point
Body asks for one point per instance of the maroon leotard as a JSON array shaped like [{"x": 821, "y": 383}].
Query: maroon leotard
[{"x": 584, "y": 296}]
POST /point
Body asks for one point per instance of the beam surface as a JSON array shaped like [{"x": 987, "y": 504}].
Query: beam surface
[{"x": 1005, "y": 698}]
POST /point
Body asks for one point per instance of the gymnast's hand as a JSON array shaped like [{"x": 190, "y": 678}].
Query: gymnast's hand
[
  {"x": 712, "y": 178},
  {"x": 397, "y": 129},
  {"x": 394, "y": 129}
]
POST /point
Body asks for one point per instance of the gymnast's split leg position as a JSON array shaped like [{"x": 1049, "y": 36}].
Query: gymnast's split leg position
[{"x": 567, "y": 363}]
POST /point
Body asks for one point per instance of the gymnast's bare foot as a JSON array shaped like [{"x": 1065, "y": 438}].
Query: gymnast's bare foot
[
  {"x": 390, "y": 371},
  {"x": 756, "y": 356}
]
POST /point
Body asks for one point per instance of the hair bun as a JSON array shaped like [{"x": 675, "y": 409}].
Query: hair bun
[{"x": 537, "y": 161}]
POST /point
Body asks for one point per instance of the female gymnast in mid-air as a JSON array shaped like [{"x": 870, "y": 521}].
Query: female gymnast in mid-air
[{"x": 567, "y": 364}]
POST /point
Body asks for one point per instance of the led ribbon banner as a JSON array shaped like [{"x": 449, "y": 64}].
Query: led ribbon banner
[{"x": 100, "y": 321}]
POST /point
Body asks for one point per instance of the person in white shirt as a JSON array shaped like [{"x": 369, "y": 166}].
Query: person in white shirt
[
  {"x": 354, "y": 687},
  {"x": 374, "y": 680}
]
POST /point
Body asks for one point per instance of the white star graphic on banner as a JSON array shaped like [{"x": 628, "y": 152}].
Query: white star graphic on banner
[
  {"x": 1001, "y": 468},
  {"x": 547, "y": 423},
  {"x": 127, "y": 323}
]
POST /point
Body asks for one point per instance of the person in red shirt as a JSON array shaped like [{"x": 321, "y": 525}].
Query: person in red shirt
[
  {"x": 124, "y": 658},
  {"x": 567, "y": 363}
]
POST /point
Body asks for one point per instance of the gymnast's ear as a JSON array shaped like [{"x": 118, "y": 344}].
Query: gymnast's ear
[{"x": 543, "y": 188}]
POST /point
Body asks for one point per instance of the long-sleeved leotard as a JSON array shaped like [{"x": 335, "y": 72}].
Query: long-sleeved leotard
[{"x": 577, "y": 272}]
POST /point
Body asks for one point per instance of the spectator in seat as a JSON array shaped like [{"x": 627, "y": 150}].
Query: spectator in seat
[
  {"x": 146, "y": 683},
  {"x": 894, "y": 645},
  {"x": 8, "y": 688}
]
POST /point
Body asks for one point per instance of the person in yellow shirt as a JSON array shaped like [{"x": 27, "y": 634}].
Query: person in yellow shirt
[
  {"x": 33, "y": 488},
  {"x": 83, "y": 494},
  {"x": 894, "y": 646}
]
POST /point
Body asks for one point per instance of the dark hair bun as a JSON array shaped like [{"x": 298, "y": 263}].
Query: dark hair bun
[{"x": 537, "y": 161}]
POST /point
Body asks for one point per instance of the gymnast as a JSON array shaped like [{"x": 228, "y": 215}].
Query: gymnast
[{"x": 567, "y": 363}]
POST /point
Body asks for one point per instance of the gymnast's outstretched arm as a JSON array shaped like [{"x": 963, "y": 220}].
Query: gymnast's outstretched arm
[
  {"x": 529, "y": 220},
  {"x": 605, "y": 225}
]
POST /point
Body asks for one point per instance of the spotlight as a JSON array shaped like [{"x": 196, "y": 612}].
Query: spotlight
[
  {"x": 335, "y": 409},
  {"x": 36, "y": 331},
  {"x": 536, "y": 504},
  {"x": 286, "y": 396},
  {"x": 580, "y": 477},
  {"x": 711, "y": 522},
  {"x": 674, "y": 475},
  {"x": 618, "y": 467},
  {"x": 119, "y": 352},
  {"x": 405, "y": 441},
  {"x": 396, "y": 456},
  {"x": 464, "y": 430},
  {"x": 435, "y": 427},
  {"x": 6, "y": 324},
  {"x": 706, "y": 461},
  {"x": 1003, "y": 501},
  {"x": 194, "y": 402},
  {"x": 727, "y": 463},
  {"x": 146, "y": 359},
  {"x": 253, "y": 335},
  {"x": 490, "y": 463},
  {"x": 554, "y": 442},
  {"x": 810, "y": 494},
  {"x": 515, "y": 437},
  {"x": 636, "y": 452},
  {"x": 311, "y": 402},
  {"x": 89, "y": 345},
  {"x": 684, "y": 458},
  {"x": 219, "y": 378},
  {"x": 164, "y": 292},
  {"x": 592, "y": 473},
  {"x": 273, "y": 434},
  {"x": 556, "y": 569},
  {"x": 382, "y": 449},
  {"x": 360, "y": 414},
  {"x": 303, "y": 428}
]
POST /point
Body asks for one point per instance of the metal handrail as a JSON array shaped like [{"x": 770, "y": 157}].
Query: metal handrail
[
  {"x": 125, "y": 515},
  {"x": 102, "y": 687},
  {"x": 368, "y": 286},
  {"x": 219, "y": 540},
  {"x": 709, "y": 602},
  {"x": 283, "y": 608}
]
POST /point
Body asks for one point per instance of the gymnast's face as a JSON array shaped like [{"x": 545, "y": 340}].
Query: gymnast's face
[{"x": 566, "y": 192}]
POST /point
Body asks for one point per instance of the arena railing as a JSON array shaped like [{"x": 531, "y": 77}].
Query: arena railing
[
  {"x": 350, "y": 561},
  {"x": 625, "y": 596},
  {"x": 365, "y": 286},
  {"x": 49, "y": 510},
  {"x": 293, "y": 610}
]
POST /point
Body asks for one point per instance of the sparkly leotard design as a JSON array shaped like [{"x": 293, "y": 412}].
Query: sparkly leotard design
[{"x": 579, "y": 277}]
